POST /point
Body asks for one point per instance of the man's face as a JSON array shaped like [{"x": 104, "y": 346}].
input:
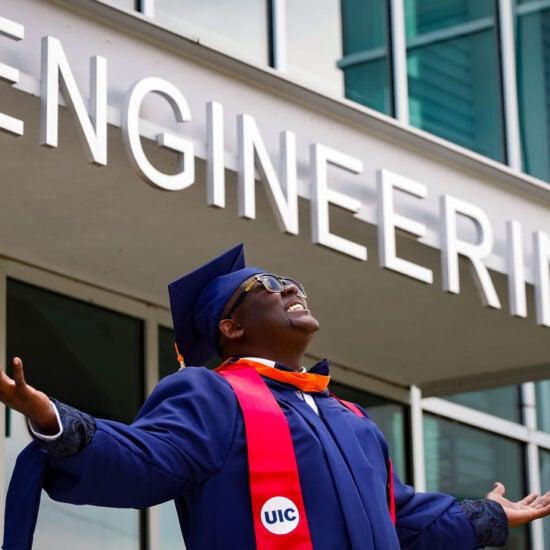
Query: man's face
[{"x": 274, "y": 314}]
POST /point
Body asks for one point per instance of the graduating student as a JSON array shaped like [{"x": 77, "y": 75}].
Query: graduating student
[{"x": 256, "y": 454}]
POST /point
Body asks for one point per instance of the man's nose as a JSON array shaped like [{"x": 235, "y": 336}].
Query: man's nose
[{"x": 289, "y": 287}]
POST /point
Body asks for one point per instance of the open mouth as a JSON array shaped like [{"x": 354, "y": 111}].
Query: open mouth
[{"x": 295, "y": 307}]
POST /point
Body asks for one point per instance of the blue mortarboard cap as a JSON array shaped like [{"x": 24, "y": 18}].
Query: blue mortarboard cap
[{"x": 198, "y": 299}]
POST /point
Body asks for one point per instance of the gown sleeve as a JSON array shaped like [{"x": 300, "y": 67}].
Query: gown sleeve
[
  {"x": 180, "y": 438},
  {"x": 438, "y": 521}
]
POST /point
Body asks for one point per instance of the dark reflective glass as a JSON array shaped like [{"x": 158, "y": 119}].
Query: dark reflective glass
[
  {"x": 544, "y": 459},
  {"x": 364, "y": 24},
  {"x": 170, "y": 533},
  {"x": 368, "y": 84},
  {"x": 454, "y": 92},
  {"x": 389, "y": 416},
  {"x": 90, "y": 358},
  {"x": 465, "y": 462},
  {"x": 366, "y": 62},
  {"x": 81, "y": 354},
  {"x": 503, "y": 402},
  {"x": 533, "y": 78},
  {"x": 168, "y": 363},
  {"x": 542, "y": 390},
  {"x": 453, "y": 73},
  {"x": 423, "y": 16}
]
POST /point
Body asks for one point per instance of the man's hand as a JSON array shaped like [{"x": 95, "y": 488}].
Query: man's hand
[
  {"x": 531, "y": 507},
  {"x": 21, "y": 397}
]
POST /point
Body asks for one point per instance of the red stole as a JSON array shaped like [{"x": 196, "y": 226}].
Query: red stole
[{"x": 278, "y": 510}]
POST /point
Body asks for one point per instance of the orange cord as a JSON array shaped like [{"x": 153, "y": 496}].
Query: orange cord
[{"x": 180, "y": 357}]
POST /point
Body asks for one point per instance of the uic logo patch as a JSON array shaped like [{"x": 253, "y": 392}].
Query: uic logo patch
[{"x": 280, "y": 515}]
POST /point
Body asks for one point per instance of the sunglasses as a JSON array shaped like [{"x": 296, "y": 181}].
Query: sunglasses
[{"x": 271, "y": 283}]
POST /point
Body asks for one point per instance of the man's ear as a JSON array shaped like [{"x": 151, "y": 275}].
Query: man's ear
[{"x": 231, "y": 329}]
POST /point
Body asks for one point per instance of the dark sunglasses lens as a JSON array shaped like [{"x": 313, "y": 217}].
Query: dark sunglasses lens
[
  {"x": 271, "y": 283},
  {"x": 301, "y": 292}
]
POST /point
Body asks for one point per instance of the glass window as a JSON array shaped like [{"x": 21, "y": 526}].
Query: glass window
[
  {"x": 168, "y": 362},
  {"x": 88, "y": 357},
  {"x": 389, "y": 416},
  {"x": 465, "y": 462},
  {"x": 453, "y": 72},
  {"x": 84, "y": 355},
  {"x": 68, "y": 527},
  {"x": 542, "y": 390},
  {"x": 366, "y": 62},
  {"x": 170, "y": 532},
  {"x": 236, "y": 27},
  {"x": 423, "y": 16},
  {"x": 544, "y": 459},
  {"x": 533, "y": 77},
  {"x": 314, "y": 44},
  {"x": 503, "y": 402}
]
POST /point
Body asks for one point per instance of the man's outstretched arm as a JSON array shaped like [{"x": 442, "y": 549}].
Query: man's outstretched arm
[
  {"x": 533, "y": 506},
  {"x": 35, "y": 405}
]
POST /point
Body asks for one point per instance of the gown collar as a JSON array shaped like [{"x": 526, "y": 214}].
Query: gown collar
[{"x": 314, "y": 380}]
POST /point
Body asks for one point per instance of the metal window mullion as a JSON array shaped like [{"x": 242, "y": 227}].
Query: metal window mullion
[
  {"x": 77, "y": 289},
  {"x": 509, "y": 83},
  {"x": 152, "y": 517},
  {"x": 151, "y": 376},
  {"x": 399, "y": 61},
  {"x": 451, "y": 33},
  {"x": 476, "y": 419},
  {"x": 534, "y": 486},
  {"x": 146, "y": 7},
  {"x": 278, "y": 35},
  {"x": 542, "y": 439},
  {"x": 3, "y": 359},
  {"x": 532, "y": 7},
  {"x": 529, "y": 410},
  {"x": 417, "y": 438},
  {"x": 365, "y": 56}
]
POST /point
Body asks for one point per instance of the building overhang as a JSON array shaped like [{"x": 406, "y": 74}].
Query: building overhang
[{"x": 105, "y": 226}]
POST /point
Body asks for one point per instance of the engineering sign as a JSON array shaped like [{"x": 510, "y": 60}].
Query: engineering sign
[{"x": 56, "y": 76}]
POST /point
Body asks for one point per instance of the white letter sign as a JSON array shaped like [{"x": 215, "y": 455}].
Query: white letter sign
[
  {"x": 388, "y": 220},
  {"x": 516, "y": 271},
  {"x": 283, "y": 196},
  {"x": 541, "y": 244},
  {"x": 15, "y": 31},
  {"x": 54, "y": 65},
  {"x": 215, "y": 167},
  {"x": 321, "y": 196},
  {"x": 451, "y": 247},
  {"x": 132, "y": 140}
]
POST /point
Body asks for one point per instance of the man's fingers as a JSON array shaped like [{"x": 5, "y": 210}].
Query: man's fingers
[
  {"x": 541, "y": 504},
  {"x": 18, "y": 374},
  {"x": 529, "y": 499}
]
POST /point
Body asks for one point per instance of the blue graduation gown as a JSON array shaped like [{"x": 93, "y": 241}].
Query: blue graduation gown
[{"x": 188, "y": 444}]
